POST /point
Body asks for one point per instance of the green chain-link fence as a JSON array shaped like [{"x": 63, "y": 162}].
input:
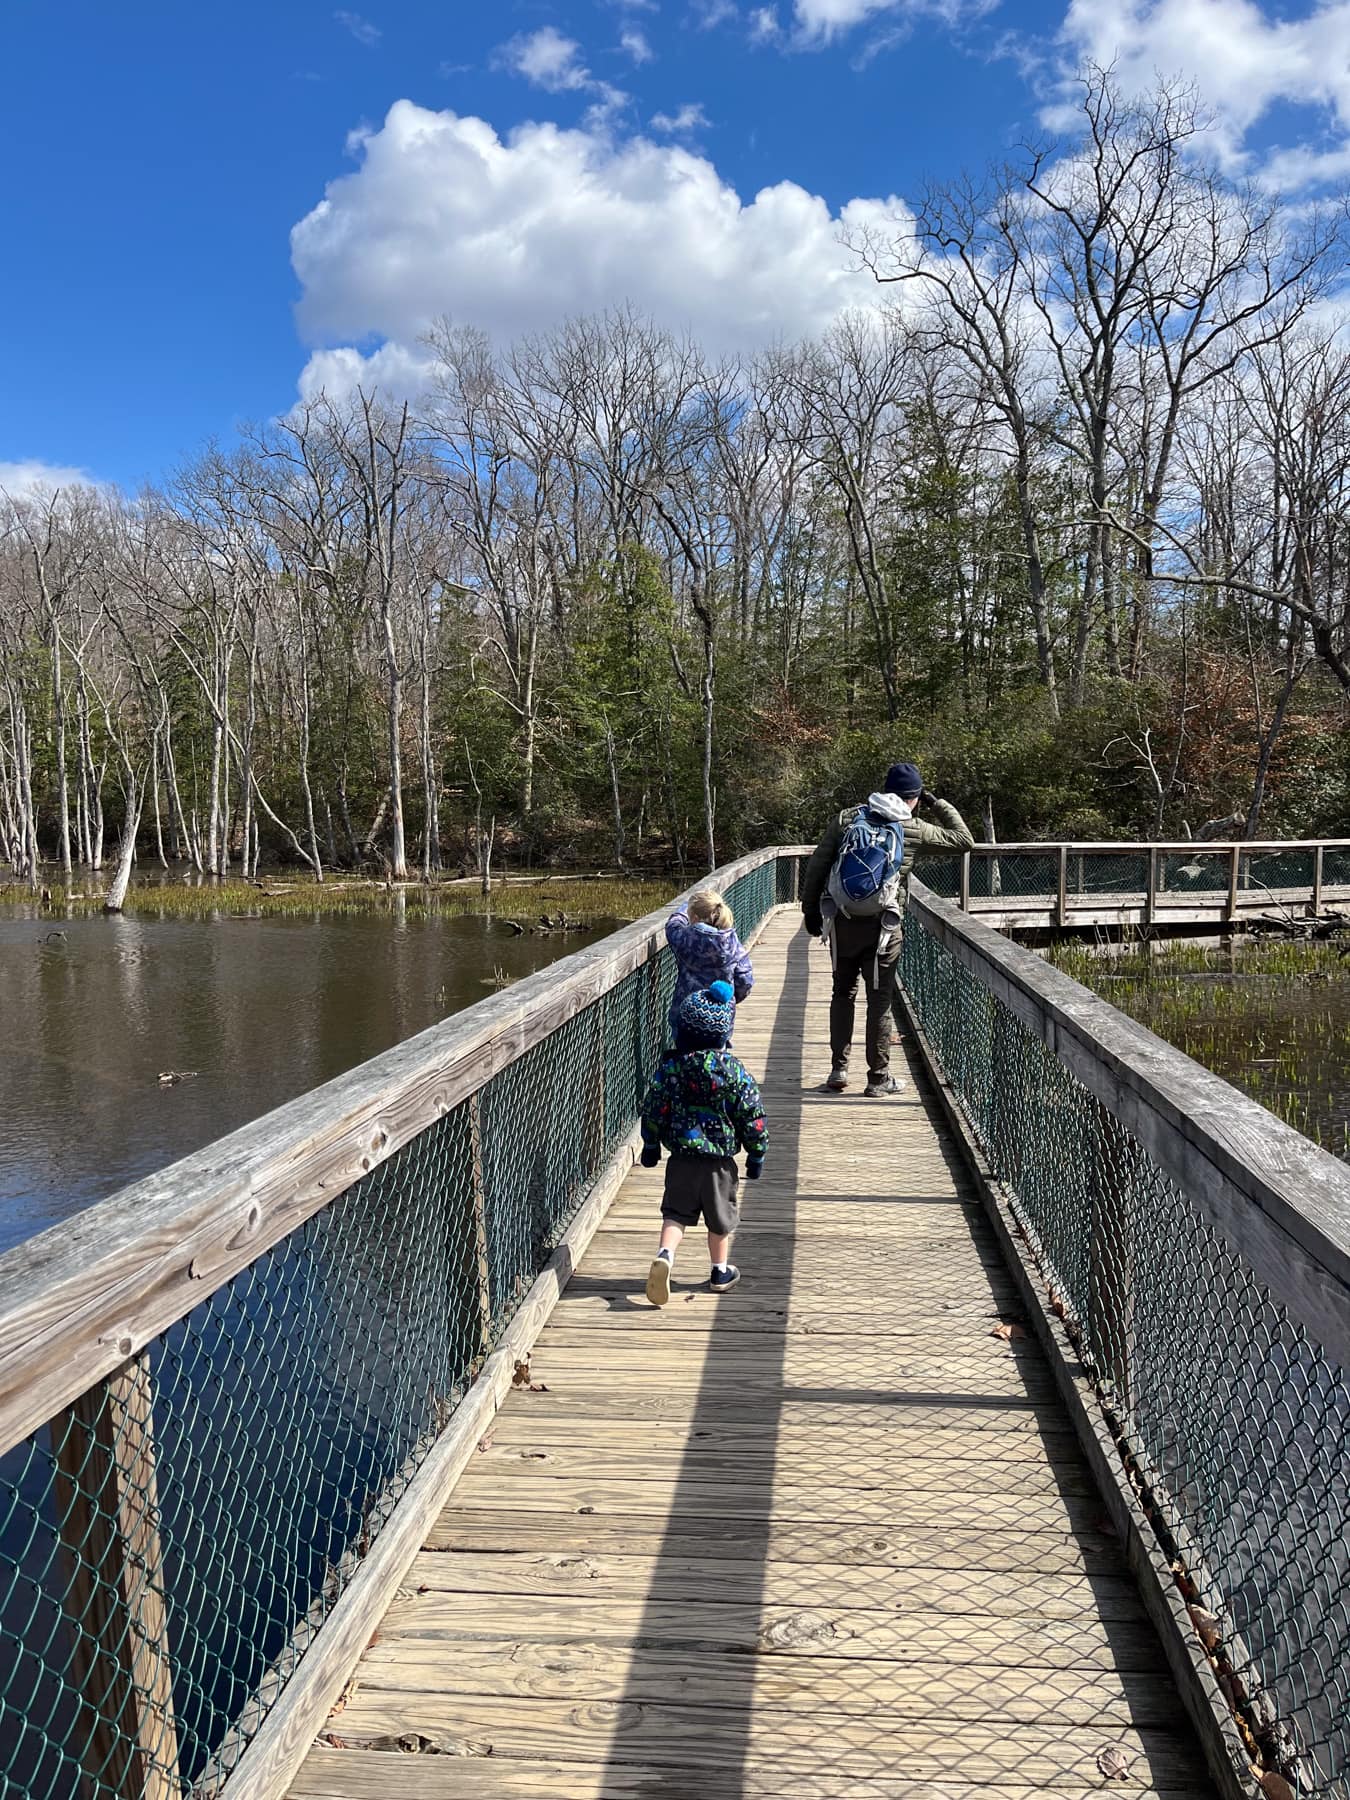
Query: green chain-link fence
[
  {"x": 170, "y": 1543},
  {"x": 1237, "y": 1419}
]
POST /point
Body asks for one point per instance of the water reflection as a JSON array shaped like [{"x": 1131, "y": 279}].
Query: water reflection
[{"x": 93, "y": 1010}]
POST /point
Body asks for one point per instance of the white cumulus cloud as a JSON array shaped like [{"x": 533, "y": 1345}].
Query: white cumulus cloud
[
  {"x": 690, "y": 117},
  {"x": 634, "y": 43},
  {"x": 1243, "y": 60},
  {"x": 30, "y": 476},
  {"x": 553, "y": 62},
  {"x": 546, "y": 58},
  {"x": 361, "y": 29},
  {"x": 443, "y": 216},
  {"x": 821, "y": 21}
]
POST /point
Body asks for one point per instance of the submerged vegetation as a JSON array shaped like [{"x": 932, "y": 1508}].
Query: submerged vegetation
[{"x": 1274, "y": 1019}]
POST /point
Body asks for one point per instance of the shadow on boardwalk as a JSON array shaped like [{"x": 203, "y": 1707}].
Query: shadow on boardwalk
[{"x": 825, "y": 1538}]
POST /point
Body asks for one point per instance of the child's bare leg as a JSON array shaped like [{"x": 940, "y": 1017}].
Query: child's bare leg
[
  {"x": 719, "y": 1248},
  {"x": 671, "y": 1233}
]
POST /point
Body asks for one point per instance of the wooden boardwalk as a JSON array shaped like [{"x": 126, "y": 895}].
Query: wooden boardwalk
[{"x": 823, "y": 1538}]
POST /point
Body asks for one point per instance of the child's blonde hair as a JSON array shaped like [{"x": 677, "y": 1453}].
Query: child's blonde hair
[{"x": 707, "y": 907}]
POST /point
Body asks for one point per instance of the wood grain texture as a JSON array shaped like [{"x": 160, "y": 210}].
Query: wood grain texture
[
  {"x": 356, "y": 1774},
  {"x": 825, "y": 1536}
]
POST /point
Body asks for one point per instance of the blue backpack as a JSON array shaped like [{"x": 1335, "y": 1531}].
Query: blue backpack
[{"x": 865, "y": 879}]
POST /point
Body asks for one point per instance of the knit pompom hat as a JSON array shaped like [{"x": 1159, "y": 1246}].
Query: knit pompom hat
[{"x": 706, "y": 1017}]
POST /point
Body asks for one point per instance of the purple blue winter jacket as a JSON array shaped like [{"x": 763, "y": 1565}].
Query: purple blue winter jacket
[{"x": 703, "y": 954}]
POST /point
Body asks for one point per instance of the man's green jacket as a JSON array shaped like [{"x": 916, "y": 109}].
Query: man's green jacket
[{"x": 921, "y": 838}]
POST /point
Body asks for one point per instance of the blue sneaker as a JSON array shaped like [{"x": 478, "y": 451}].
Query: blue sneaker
[{"x": 722, "y": 1279}]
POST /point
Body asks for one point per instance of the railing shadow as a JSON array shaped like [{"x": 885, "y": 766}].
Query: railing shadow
[
  {"x": 961, "y": 1592},
  {"x": 718, "y": 1409}
]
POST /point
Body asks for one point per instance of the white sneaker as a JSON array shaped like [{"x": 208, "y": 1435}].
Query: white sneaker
[{"x": 658, "y": 1281}]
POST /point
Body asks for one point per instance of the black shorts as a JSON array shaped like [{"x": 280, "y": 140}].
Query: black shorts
[{"x": 702, "y": 1187}]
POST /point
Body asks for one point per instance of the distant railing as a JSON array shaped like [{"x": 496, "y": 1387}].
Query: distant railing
[
  {"x": 1067, "y": 884},
  {"x": 216, "y": 1386},
  {"x": 1199, "y": 1251}
]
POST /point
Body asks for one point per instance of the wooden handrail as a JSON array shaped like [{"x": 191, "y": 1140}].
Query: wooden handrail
[
  {"x": 82, "y": 1297},
  {"x": 1275, "y": 1197},
  {"x": 1180, "y": 847}
]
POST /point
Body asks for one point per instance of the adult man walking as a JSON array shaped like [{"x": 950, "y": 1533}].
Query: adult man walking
[{"x": 864, "y": 931}]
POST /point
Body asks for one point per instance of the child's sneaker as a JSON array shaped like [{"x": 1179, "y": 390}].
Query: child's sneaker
[
  {"x": 879, "y": 1086},
  {"x": 722, "y": 1279},
  {"x": 658, "y": 1281}
]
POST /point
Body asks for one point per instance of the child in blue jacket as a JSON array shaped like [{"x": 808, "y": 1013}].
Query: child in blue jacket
[
  {"x": 702, "y": 1106},
  {"x": 703, "y": 937}
]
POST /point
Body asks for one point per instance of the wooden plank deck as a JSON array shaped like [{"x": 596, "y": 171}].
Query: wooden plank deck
[{"x": 822, "y": 1538}]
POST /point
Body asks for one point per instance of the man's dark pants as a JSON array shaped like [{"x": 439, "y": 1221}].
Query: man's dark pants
[{"x": 854, "y": 949}]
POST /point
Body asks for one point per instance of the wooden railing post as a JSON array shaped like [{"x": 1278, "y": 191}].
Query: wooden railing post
[
  {"x": 1063, "y": 884},
  {"x": 1317, "y": 882},
  {"x": 965, "y": 881},
  {"x": 108, "y": 1495},
  {"x": 1149, "y": 900},
  {"x": 481, "y": 1265},
  {"x": 1234, "y": 863}
]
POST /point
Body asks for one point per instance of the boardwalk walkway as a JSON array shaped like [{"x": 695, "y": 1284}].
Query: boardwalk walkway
[{"x": 825, "y": 1538}]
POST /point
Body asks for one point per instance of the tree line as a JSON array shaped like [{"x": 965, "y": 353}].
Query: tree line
[{"x": 1065, "y": 518}]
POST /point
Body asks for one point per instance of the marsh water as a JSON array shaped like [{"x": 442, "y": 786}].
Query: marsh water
[
  {"x": 249, "y": 1010},
  {"x": 1272, "y": 1018}
]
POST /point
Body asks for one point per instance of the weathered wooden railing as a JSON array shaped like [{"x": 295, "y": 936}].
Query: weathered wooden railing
[
  {"x": 233, "y": 1396},
  {"x": 1186, "y": 1257},
  {"x": 1073, "y": 884}
]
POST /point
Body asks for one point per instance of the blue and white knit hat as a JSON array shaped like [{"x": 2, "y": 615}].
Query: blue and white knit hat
[{"x": 708, "y": 1015}]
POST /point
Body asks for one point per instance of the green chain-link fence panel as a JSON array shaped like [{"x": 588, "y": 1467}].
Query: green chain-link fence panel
[
  {"x": 1237, "y": 1421},
  {"x": 170, "y": 1544}
]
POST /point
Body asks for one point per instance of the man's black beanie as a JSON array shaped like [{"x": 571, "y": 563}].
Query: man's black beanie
[{"x": 904, "y": 779}]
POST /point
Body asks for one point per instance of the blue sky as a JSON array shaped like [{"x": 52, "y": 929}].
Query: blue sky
[{"x": 541, "y": 157}]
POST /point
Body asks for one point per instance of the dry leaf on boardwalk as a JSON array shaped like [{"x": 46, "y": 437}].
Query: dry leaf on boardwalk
[
  {"x": 1008, "y": 1330},
  {"x": 1275, "y": 1787},
  {"x": 416, "y": 1743},
  {"x": 1206, "y": 1626},
  {"x": 1114, "y": 1762},
  {"x": 521, "y": 1376},
  {"x": 484, "y": 1444},
  {"x": 797, "y": 1628}
]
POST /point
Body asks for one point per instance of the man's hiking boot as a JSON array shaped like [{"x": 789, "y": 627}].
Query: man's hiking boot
[
  {"x": 838, "y": 1080},
  {"x": 722, "y": 1279},
  {"x": 880, "y": 1086},
  {"x": 658, "y": 1281}
]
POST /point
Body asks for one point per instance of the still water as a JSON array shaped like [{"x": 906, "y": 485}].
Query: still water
[{"x": 255, "y": 1010}]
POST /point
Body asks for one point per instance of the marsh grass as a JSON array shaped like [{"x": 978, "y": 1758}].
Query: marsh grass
[
  {"x": 524, "y": 900},
  {"x": 1272, "y": 1018}
]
